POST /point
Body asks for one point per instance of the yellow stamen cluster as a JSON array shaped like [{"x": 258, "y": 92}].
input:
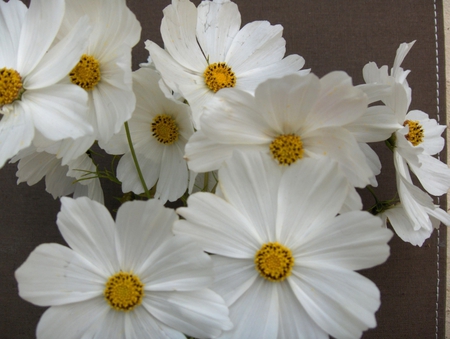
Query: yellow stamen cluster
[
  {"x": 274, "y": 261},
  {"x": 86, "y": 73},
  {"x": 287, "y": 149},
  {"x": 415, "y": 134},
  {"x": 218, "y": 76},
  {"x": 10, "y": 86},
  {"x": 124, "y": 291},
  {"x": 165, "y": 129}
]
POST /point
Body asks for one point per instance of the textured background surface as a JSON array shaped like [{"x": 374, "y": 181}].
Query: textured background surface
[{"x": 330, "y": 36}]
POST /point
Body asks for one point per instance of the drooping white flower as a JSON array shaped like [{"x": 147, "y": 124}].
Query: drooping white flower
[
  {"x": 205, "y": 51},
  {"x": 31, "y": 99},
  {"x": 290, "y": 119},
  {"x": 126, "y": 279},
  {"x": 77, "y": 177},
  {"x": 416, "y": 216},
  {"x": 160, "y": 128},
  {"x": 284, "y": 262},
  {"x": 104, "y": 70}
]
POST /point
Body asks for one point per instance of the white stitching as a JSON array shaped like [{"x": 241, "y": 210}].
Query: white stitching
[{"x": 438, "y": 280}]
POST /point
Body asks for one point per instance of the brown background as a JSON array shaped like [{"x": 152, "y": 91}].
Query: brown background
[{"x": 330, "y": 35}]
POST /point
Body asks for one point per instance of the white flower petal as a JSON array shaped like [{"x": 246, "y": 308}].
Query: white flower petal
[
  {"x": 249, "y": 80},
  {"x": 217, "y": 25},
  {"x": 173, "y": 175},
  {"x": 310, "y": 193},
  {"x": 61, "y": 58},
  {"x": 42, "y": 22},
  {"x": 59, "y": 111},
  {"x": 68, "y": 321},
  {"x": 178, "y": 31},
  {"x": 16, "y": 132},
  {"x": 12, "y": 15},
  {"x": 233, "y": 277},
  {"x": 218, "y": 226},
  {"x": 354, "y": 240},
  {"x": 285, "y": 103},
  {"x": 205, "y": 155},
  {"x": 404, "y": 228},
  {"x": 339, "y": 102},
  {"x": 89, "y": 230},
  {"x": 141, "y": 324},
  {"x": 233, "y": 118},
  {"x": 341, "y": 302},
  {"x": 256, "y": 313},
  {"x": 294, "y": 321},
  {"x": 128, "y": 175},
  {"x": 433, "y": 174},
  {"x": 256, "y": 45},
  {"x": 338, "y": 144},
  {"x": 250, "y": 183},
  {"x": 200, "y": 313},
  {"x": 55, "y": 275}
]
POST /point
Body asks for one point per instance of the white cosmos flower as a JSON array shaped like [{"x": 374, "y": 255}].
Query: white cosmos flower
[
  {"x": 205, "y": 50},
  {"x": 76, "y": 177},
  {"x": 104, "y": 70},
  {"x": 129, "y": 279},
  {"x": 291, "y": 118},
  {"x": 284, "y": 262},
  {"x": 160, "y": 128},
  {"x": 418, "y": 138},
  {"x": 31, "y": 99}
]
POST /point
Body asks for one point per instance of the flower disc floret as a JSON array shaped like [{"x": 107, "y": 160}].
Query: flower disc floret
[
  {"x": 218, "y": 76},
  {"x": 274, "y": 261},
  {"x": 165, "y": 129},
  {"x": 415, "y": 135},
  {"x": 10, "y": 86},
  {"x": 86, "y": 73},
  {"x": 287, "y": 149},
  {"x": 124, "y": 291}
]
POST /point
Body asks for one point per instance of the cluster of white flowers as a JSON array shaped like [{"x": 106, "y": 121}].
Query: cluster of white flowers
[{"x": 269, "y": 246}]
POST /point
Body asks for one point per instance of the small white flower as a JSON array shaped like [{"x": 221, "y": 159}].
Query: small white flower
[
  {"x": 418, "y": 138},
  {"x": 205, "y": 51},
  {"x": 289, "y": 119},
  {"x": 160, "y": 128},
  {"x": 75, "y": 178},
  {"x": 126, "y": 279},
  {"x": 104, "y": 70},
  {"x": 284, "y": 262},
  {"x": 31, "y": 99}
]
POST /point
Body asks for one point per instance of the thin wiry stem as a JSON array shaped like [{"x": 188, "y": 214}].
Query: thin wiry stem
[{"x": 136, "y": 163}]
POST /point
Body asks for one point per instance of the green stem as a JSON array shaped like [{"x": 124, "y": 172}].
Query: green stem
[
  {"x": 136, "y": 163},
  {"x": 370, "y": 189}
]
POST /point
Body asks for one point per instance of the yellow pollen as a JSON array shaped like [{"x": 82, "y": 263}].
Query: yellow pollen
[
  {"x": 274, "y": 261},
  {"x": 86, "y": 73},
  {"x": 165, "y": 129},
  {"x": 10, "y": 86},
  {"x": 287, "y": 149},
  {"x": 124, "y": 291},
  {"x": 415, "y": 134},
  {"x": 218, "y": 76}
]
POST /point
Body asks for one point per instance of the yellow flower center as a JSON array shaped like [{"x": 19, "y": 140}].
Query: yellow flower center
[
  {"x": 165, "y": 129},
  {"x": 10, "y": 86},
  {"x": 124, "y": 291},
  {"x": 415, "y": 134},
  {"x": 218, "y": 76},
  {"x": 274, "y": 261},
  {"x": 287, "y": 149},
  {"x": 86, "y": 73}
]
